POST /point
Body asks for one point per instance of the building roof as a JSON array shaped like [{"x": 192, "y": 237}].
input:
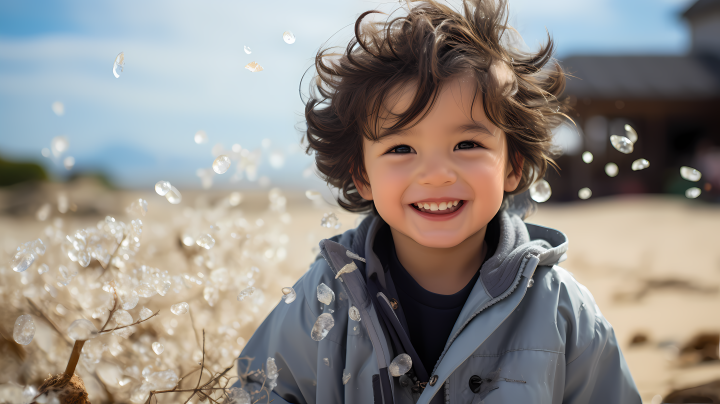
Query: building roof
[
  {"x": 643, "y": 77},
  {"x": 701, "y": 7}
]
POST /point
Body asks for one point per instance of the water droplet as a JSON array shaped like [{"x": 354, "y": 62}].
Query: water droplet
[
  {"x": 235, "y": 198},
  {"x": 59, "y": 145},
  {"x": 44, "y": 212},
  {"x": 22, "y": 260},
  {"x": 158, "y": 348},
  {"x": 326, "y": 361},
  {"x": 322, "y": 327},
  {"x": 173, "y": 196},
  {"x": 692, "y": 193},
  {"x": 540, "y": 191},
  {"x": 245, "y": 293},
  {"x": 690, "y": 174},
  {"x": 313, "y": 195},
  {"x": 271, "y": 371},
  {"x": 400, "y": 365},
  {"x": 630, "y": 133},
  {"x": 584, "y": 193},
  {"x": 289, "y": 295},
  {"x": 180, "y": 308},
  {"x": 354, "y": 313},
  {"x": 137, "y": 208},
  {"x": 640, "y": 164},
  {"x": 288, "y": 37},
  {"x": 277, "y": 159},
  {"x": 162, "y": 187},
  {"x": 611, "y": 169},
  {"x": 345, "y": 376},
  {"x": 531, "y": 282},
  {"x": 346, "y": 269},
  {"x": 254, "y": 67},
  {"x": 69, "y": 162},
  {"x": 58, "y": 108},
  {"x": 325, "y": 295},
  {"x": 587, "y": 157},
  {"x": 43, "y": 269},
  {"x": 237, "y": 395},
  {"x": 201, "y": 137},
  {"x": 205, "y": 241},
  {"x": 329, "y": 220},
  {"x": 621, "y": 144},
  {"x": 221, "y": 164},
  {"x": 145, "y": 313},
  {"x": 247, "y": 49},
  {"x": 119, "y": 65},
  {"x": 81, "y": 330},
  {"x": 24, "y": 330}
]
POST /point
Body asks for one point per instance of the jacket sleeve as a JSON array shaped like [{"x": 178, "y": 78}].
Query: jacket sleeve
[
  {"x": 599, "y": 374},
  {"x": 285, "y": 335}
]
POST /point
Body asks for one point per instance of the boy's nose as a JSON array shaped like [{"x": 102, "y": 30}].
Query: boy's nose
[{"x": 437, "y": 172}]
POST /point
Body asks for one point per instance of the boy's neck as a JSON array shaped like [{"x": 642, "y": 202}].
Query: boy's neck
[{"x": 444, "y": 271}]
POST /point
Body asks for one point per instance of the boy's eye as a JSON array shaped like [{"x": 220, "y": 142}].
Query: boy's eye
[
  {"x": 466, "y": 145},
  {"x": 401, "y": 149}
]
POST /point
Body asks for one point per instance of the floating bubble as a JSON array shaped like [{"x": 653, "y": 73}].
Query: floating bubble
[
  {"x": 289, "y": 295},
  {"x": 354, "y": 313},
  {"x": 690, "y": 174},
  {"x": 611, "y": 169},
  {"x": 288, "y": 37},
  {"x": 119, "y": 65},
  {"x": 44, "y": 212},
  {"x": 221, "y": 164},
  {"x": 69, "y": 162},
  {"x": 587, "y": 157},
  {"x": 173, "y": 196},
  {"x": 329, "y": 220},
  {"x": 400, "y": 365},
  {"x": 692, "y": 193},
  {"x": 540, "y": 191},
  {"x": 235, "y": 198},
  {"x": 201, "y": 137},
  {"x": 58, "y": 108},
  {"x": 313, "y": 195},
  {"x": 277, "y": 159},
  {"x": 630, "y": 133},
  {"x": 254, "y": 67},
  {"x": 621, "y": 144},
  {"x": 158, "y": 348},
  {"x": 59, "y": 145},
  {"x": 22, "y": 260},
  {"x": 45, "y": 152},
  {"x": 584, "y": 193},
  {"x": 162, "y": 187},
  {"x": 345, "y": 376},
  {"x": 43, "y": 269},
  {"x": 325, "y": 295},
  {"x": 138, "y": 207},
  {"x": 247, "y": 49},
  {"x": 247, "y": 292},
  {"x": 322, "y": 327},
  {"x": 24, "y": 329},
  {"x": 180, "y": 308},
  {"x": 81, "y": 330},
  {"x": 640, "y": 164},
  {"x": 205, "y": 241}
]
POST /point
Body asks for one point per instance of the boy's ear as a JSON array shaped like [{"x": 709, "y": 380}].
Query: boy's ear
[
  {"x": 363, "y": 189},
  {"x": 514, "y": 174}
]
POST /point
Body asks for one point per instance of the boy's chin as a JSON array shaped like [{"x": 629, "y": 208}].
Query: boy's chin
[{"x": 438, "y": 240}]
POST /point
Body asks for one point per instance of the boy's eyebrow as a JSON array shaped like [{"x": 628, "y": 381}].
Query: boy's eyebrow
[{"x": 475, "y": 126}]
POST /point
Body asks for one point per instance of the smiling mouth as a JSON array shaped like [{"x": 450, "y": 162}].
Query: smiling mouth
[{"x": 442, "y": 208}]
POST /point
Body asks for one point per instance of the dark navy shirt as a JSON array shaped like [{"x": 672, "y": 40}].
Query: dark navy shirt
[{"x": 430, "y": 317}]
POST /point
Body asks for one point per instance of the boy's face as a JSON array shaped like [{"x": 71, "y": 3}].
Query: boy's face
[{"x": 446, "y": 157}]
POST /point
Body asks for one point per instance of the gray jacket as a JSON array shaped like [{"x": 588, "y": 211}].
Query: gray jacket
[{"x": 528, "y": 333}]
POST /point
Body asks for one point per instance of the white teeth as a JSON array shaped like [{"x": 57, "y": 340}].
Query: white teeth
[
  {"x": 455, "y": 203},
  {"x": 426, "y": 206},
  {"x": 442, "y": 206},
  {"x": 433, "y": 206}
]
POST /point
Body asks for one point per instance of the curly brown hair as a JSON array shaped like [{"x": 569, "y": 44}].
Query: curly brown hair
[{"x": 428, "y": 46}]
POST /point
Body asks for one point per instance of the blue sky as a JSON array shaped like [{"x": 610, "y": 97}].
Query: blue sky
[{"x": 184, "y": 72}]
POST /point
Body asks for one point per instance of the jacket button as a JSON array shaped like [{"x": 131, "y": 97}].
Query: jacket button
[
  {"x": 393, "y": 304},
  {"x": 433, "y": 380}
]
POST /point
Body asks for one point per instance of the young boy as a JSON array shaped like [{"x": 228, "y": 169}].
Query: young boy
[{"x": 429, "y": 123}]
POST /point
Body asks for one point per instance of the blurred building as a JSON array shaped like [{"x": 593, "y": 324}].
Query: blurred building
[{"x": 673, "y": 102}]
